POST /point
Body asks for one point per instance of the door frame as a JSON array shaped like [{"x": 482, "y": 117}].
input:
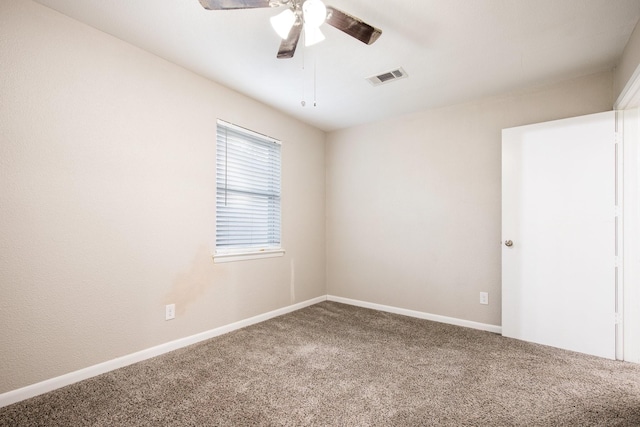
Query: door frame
[{"x": 628, "y": 126}]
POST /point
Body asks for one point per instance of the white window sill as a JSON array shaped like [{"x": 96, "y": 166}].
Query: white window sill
[{"x": 243, "y": 256}]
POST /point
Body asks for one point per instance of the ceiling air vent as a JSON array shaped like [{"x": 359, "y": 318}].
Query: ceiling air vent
[{"x": 387, "y": 77}]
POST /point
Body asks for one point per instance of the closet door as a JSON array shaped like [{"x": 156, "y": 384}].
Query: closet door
[{"x": 558, "y": 234}]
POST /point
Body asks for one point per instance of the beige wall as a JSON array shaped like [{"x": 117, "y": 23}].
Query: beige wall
[
  {"x": 107, "y": 190},
  {"x": 413, "y": 203},
  {"x": 628, "y": 63}
]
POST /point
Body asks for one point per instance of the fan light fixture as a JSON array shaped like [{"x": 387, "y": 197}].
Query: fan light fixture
[
  {"x": 314, "y": 13},
  {"x": 312, "y": 35},
  {"x": 283, "y": 22}
]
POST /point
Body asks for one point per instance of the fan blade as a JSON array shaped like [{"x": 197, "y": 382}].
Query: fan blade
[
  {"x": 288, "y": 46},
  {"x": 351, "y": 25},
  {"x": 235, "y": 4}
]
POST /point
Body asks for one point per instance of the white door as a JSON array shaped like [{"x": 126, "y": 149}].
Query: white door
[{"x": 558, "y": 234}]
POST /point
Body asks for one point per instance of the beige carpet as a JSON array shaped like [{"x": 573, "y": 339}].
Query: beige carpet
[{"x": 337, "y": 365}]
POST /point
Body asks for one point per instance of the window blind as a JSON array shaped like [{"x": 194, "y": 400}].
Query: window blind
[{"x": 248, "y": 190}]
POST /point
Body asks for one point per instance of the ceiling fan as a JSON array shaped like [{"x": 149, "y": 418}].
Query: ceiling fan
[{"x": 302, "y": 14}]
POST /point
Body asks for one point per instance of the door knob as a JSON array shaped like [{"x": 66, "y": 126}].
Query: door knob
[{"x": 508, "y": 243}]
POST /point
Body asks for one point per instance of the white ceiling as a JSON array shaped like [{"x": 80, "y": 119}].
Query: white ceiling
[{"x": 453, "y": 50}]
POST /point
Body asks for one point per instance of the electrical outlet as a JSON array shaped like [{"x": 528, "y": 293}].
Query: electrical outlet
[
  {"x": 484, "y": 297},
  {"x": 170, "y": 312}
]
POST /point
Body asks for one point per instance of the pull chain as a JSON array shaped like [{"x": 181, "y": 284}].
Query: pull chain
[
  {"x": 315, "y": 80},
  {"x": 315, "y": 68}
]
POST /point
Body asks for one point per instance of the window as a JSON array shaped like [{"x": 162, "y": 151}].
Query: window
[{"x": 247, "y": 194}]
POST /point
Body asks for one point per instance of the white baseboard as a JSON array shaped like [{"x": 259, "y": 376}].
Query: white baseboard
[
  {"x": 33, "y": 390},
  {"x": 419, "y": 314}
]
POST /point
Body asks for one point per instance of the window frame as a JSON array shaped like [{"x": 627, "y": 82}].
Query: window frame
[{"x": 230, "y": 254}]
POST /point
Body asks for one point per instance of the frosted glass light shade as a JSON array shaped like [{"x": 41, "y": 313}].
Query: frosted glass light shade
[
  {"x": 312, "y": 35},
  {"x": 283, "y": 22},
  {"x": 315, "y": 13}
]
